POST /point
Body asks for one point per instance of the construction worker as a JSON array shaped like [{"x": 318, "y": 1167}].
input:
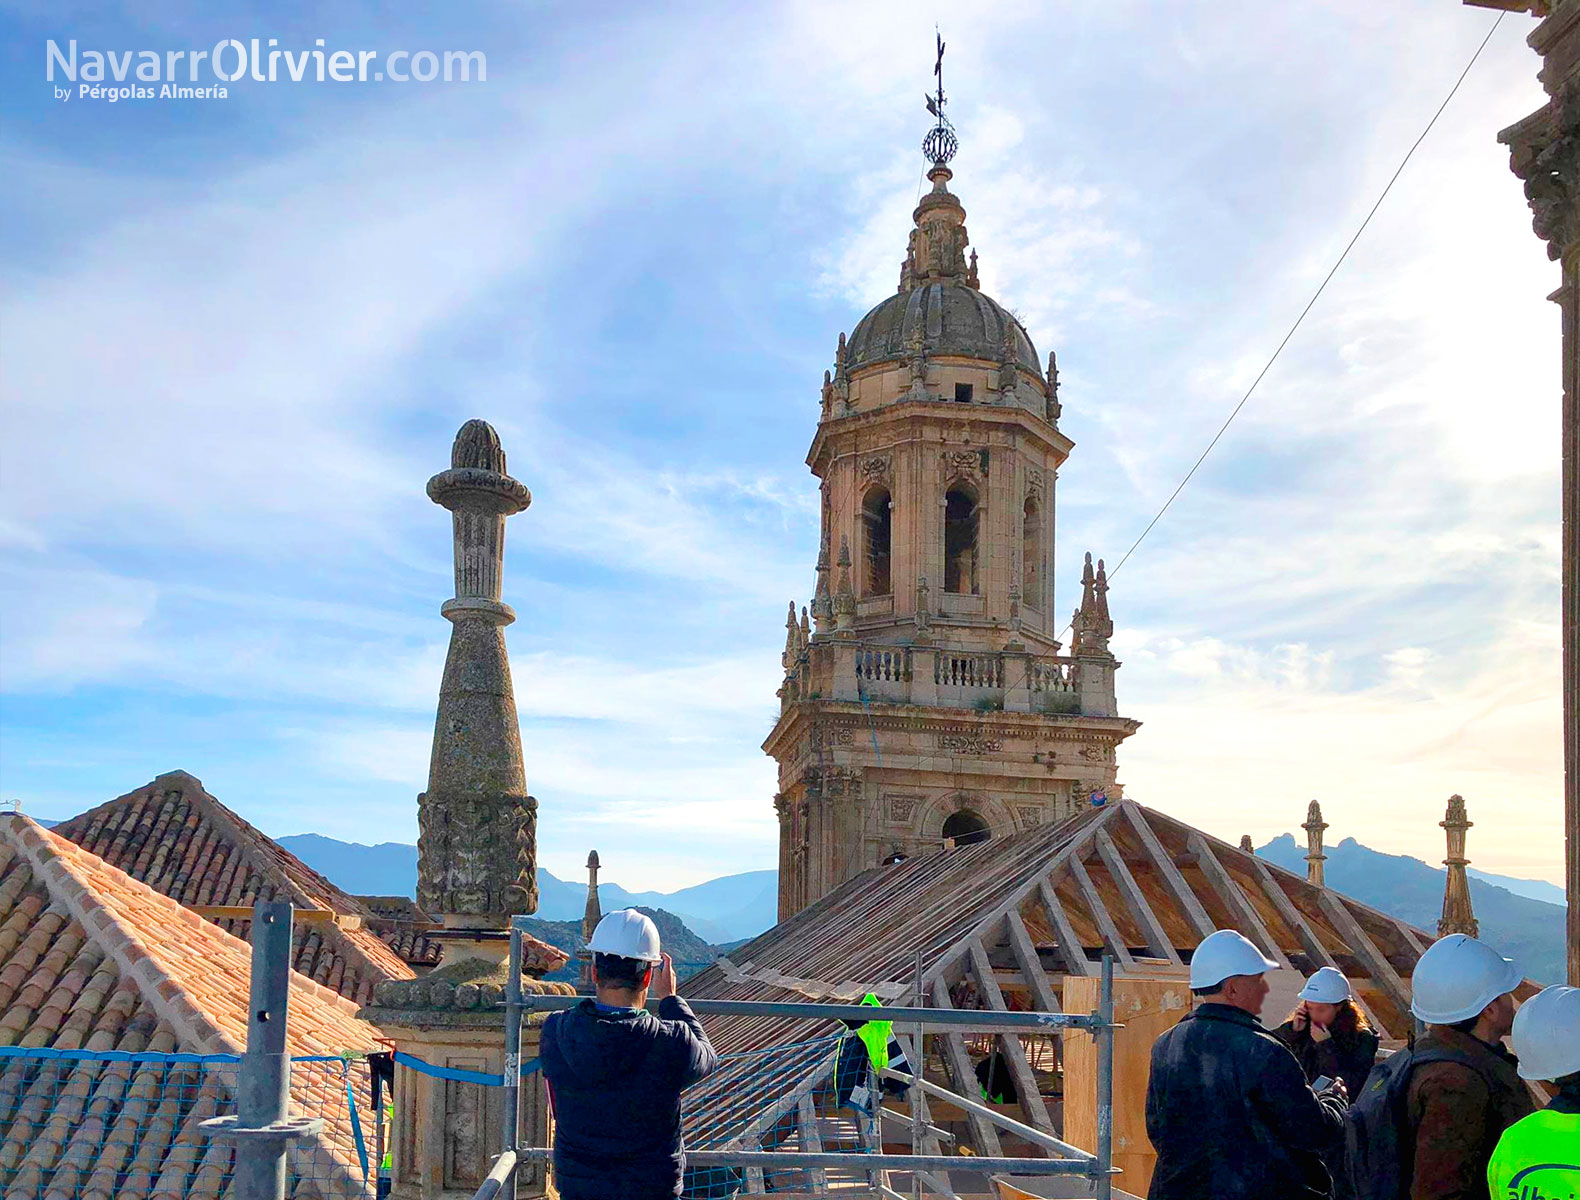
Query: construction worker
[
  {"x": 1228, "y": 1109},
  {"x": 867, "y": 1050},
  {"x": 1458, "y": 1106},
  {"x": 615, "y": 1071},
  {"x": 1540, "y": 1155}
]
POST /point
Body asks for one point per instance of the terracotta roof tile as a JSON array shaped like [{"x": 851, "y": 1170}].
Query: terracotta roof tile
[
  {"x": 92, "y": 958},
  {"x": 175, "y": 837}
]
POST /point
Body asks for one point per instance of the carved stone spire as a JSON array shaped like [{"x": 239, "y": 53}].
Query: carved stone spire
[
  {"x": 844, "y": 595},
  {"x": 477, "y": 847},
  {"x": 787, "y": 659},
  {"x": 593, "y": 913},
  {"x": 1053, "y": 409},
  {"x": 1314, "y": 828},
  {"x": 1245, "y": 843},
  {"x": 822, "y": 602},
  {"x": 1457, "y": 914},
  {"x": 1091, "y": 626},
  {"x": 937, "y": 250}
]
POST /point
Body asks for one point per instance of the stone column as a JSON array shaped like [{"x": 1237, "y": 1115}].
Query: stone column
[
  {"x": 1544, "y": 151},
  {"x": 1457, "y": 915},
  {"x": 1315, "y": 826},
  {"x": 477, "y": 845}
]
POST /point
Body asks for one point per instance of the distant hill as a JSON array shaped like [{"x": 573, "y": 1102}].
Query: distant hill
[
  {"x": 1529, "y": 931},
  {"x": 728, "y": 909},
  {"x": 1514, "y": 913},
  {"x": 689, "y": 952}
]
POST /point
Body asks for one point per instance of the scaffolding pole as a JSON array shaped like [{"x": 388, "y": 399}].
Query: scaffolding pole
[
  {"x": 512, "y": 1098},
  {"x": 260, "y": 1127}
]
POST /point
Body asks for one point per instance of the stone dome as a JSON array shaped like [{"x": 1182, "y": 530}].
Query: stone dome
[{"x": 944, "y": 318}]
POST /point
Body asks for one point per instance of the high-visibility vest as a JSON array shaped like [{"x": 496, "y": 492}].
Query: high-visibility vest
[
  {"x": 876, "y": 1035},
  {"x": 1538, "y": 1158}
]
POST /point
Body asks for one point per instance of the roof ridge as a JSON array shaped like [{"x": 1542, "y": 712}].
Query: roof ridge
[{"x": 53, "y": 865}]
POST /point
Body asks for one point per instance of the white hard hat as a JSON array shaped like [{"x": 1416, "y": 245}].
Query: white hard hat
[
  {"x": 627, "y": 933},
  {"x": 1223, "y": 954},
  {"x": 1547, "y": 1033},
  {"x": 1327, "y": 986},
  {"x": 1457, "y": 977}
]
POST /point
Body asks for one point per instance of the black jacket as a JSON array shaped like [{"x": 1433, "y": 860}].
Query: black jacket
[
  {"x": 1230, "y": 1115},
  {"x": 615, "y": 1081},
  {"x": 1345, "y": 1055}
]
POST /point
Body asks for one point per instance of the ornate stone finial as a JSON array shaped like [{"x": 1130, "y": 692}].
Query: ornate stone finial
[
  {"x": 916, "y": 364},
  {"x": 845, "y": 594},
  {"x": 1245, "y": 843},
  {"x": 1008, "y": 370},
  {"x": 787, "y": 659},
  {"x": 806, "y": 633},
  {"x": 477, "y": 846},
  {"x": 593, "y": 913},
  {"x": 924, "y": 612},
  {"x": 822, "y": 603},
  {"x": 1014, "y": 642},
  {"x": 973, "y": 280},
  {"x": 1053, "y": 410},
  {"x": 1458, "y": 917},
  {"x": 1091, "y": 626},
  {"x": 1314, "y": 827}
]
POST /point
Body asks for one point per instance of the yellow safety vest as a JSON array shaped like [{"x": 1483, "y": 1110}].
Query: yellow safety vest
[
  {"x": 1538, "y": 1158},
  {"x": 876, "y": 1034}
]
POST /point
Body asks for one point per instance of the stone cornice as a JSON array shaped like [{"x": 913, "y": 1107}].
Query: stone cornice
[
  {"x": 1017, "y": 726},
  {"x": 922, "y": 413}
]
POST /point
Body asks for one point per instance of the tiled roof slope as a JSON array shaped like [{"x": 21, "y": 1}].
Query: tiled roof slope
[
  {"x": 402, "y": 924},
  {"x": 91, "y": 959},
  {"x": 178, "y": 839}
]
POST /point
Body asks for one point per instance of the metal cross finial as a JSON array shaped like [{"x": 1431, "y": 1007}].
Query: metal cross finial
[{"x": 940, "y": 144}]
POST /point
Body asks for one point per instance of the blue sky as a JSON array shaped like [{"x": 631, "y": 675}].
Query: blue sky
[{"x": 239, "y": 334}]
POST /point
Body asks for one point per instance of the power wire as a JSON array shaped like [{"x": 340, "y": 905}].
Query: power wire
[{"x": 1315, "y": 296}]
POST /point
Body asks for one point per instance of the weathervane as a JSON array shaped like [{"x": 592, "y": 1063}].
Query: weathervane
[{"x": 940, "y": 144}]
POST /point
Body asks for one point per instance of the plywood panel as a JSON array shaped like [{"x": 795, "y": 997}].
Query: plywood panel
[{"x": 1147, "y": 1008}]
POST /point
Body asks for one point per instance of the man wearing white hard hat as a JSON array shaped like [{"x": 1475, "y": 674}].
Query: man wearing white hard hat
[
  {"x": 1540, "y": 1155},
  {"x": 1228, "y": 1108},
  {"x": 615, "y": 1071},
  {"x": 1459, "y": 1104}
]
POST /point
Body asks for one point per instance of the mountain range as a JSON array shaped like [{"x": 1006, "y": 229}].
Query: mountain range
[
  {"x": 1524, "y": 918},
  {"x": 1530, "y": 931},
  {"x": 721, "y": 910}
]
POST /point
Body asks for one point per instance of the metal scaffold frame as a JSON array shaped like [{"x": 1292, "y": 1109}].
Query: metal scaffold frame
[{"x": 1070, "y": 1160}]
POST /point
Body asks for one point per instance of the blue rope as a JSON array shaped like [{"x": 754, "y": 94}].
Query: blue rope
[
  {"x": 453, "y": 1074},
  {"x": 356, "y": 1125}
]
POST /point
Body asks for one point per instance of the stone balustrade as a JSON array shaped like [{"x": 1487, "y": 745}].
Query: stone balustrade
[{"x": 1017, "y": 681}]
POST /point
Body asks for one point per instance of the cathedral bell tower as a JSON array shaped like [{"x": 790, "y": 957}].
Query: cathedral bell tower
[{"x": 927, "y": 700}]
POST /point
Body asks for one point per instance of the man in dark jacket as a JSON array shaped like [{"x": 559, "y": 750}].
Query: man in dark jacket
[
  {"x": 1228, "y": 1108},
  {"x": 1456, "y": 1111},
  {"x": 615, "y": 1071}
]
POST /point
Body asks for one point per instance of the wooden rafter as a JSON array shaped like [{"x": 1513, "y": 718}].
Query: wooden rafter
[
  {"x": 1164, "y": 864},
  {"x": 1100, "y": 914},
  {"x": 1158, "y": 943},
  {"x": 1376, "y": 961},
  {"x": 1030, "y": 964},
  {"x": 1233, "y": 898},
  {"x": 1031, "y": 1101},
  {"x": 959, "y": 1060},
  {"x": 1069, "y": 944},
  {"x": 812, "y": 1140}
]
